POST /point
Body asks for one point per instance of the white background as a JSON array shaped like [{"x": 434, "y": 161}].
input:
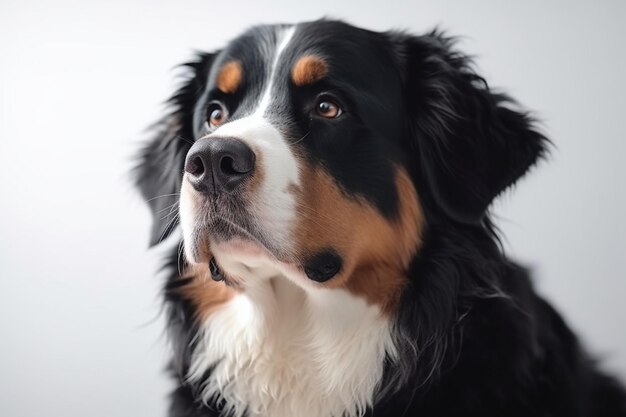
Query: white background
[{"x": 80, "y": 331}]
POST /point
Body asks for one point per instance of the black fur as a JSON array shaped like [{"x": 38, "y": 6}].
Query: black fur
[
  {"x": 474, "y": 337},
  {"x": 471, "y": 144}
]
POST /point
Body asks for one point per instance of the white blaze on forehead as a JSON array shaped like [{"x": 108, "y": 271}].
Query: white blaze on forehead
[{"x": 284, "y": 36}]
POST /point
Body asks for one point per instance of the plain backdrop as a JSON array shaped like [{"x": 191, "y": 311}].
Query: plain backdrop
[{"x": 80, "y": 330}]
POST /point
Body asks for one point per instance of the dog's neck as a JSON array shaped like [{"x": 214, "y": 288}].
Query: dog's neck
[{"x": 276, "y": 349}]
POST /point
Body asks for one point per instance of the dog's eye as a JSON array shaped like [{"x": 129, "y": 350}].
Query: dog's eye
[
  {"x": 216, "y": 114},
  {"x": 327, "y": 108}
]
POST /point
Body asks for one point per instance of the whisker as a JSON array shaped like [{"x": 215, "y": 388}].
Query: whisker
[
  {"x": 168, "y": 208},
  {"x": 173, "y": 210},
  {"x": 169, "y": 226},
  {"x": 189, "y": 141},
  {"x": 302, "y": 138},
  {"x": 180, "y": 253},
  {"x": 162, "y": 196}
]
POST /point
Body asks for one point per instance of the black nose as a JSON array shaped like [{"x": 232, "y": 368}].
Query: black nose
[{"x": 216, "y": 165}]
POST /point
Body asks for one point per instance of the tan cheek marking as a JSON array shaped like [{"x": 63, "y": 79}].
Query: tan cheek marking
[
  {"x": 205, "y": 294},
  {"x": 229, "y": 77},
  {"x": 376, "y": 252},
  {"x": 308, "y": 69}
]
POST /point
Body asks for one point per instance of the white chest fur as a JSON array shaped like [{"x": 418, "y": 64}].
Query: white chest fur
[{"x": 280, "y": 351}]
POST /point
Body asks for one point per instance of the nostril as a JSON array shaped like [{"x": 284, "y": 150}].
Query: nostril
[
  {"x": 235, "y": 165},
  {"x": 195, "y": 166},
  {"x": 227, "y": 166}
]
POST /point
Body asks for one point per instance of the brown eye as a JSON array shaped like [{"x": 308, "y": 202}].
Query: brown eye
[
  {"x": 327, "y": 108},
  {"x": 216, "y": 114}
]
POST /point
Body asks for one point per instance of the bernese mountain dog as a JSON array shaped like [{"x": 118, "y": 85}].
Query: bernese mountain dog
[{"x": 337, "y": 258}]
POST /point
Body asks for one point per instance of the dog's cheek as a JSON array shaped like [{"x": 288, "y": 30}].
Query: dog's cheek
[
  {"x": 345, "y": 234},
  {"x": 386, "y": 247},
  {"x": 323, "y": 224}
]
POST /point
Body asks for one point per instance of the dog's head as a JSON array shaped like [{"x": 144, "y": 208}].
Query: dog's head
[{"x": 321, "y": 152}]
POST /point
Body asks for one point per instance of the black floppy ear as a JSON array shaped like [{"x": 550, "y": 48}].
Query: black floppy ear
[
  {"x": 160, "y": 170},
  {"x": 472, "y": 144}
]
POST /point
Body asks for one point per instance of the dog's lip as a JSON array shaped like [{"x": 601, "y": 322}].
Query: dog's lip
[
  {"x": 239, "y": 245},
  {"x": 228, "y": 235},
  {"x": 249, "y": 254}
]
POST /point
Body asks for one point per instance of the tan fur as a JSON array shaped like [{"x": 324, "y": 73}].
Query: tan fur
[
  {"x": 376, "y": 251},
  {"x": 308, "y": 69},
  {"x": 230, "y": 76},
  {"x": 205, "y": 294}
]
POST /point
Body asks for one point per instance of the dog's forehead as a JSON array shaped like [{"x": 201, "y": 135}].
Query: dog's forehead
[
  {"x": 347, "y": 52},
  {"x": 260, "y": 67}
]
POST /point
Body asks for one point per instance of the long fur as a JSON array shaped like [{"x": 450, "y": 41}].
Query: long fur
[{"x": 471, "y": 336}]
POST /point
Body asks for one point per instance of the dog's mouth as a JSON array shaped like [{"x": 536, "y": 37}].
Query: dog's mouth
[
  {"x": 221, "y": 223},
  {"x": 221, "y": 231}
]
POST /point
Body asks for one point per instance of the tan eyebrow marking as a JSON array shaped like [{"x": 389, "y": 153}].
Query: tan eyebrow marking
[
  {"x": 229, "y": 77},
  {"x": 309, "y": 69}
]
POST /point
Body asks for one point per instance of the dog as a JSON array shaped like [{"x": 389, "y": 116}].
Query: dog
[{"x": 332, "y": 188}]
